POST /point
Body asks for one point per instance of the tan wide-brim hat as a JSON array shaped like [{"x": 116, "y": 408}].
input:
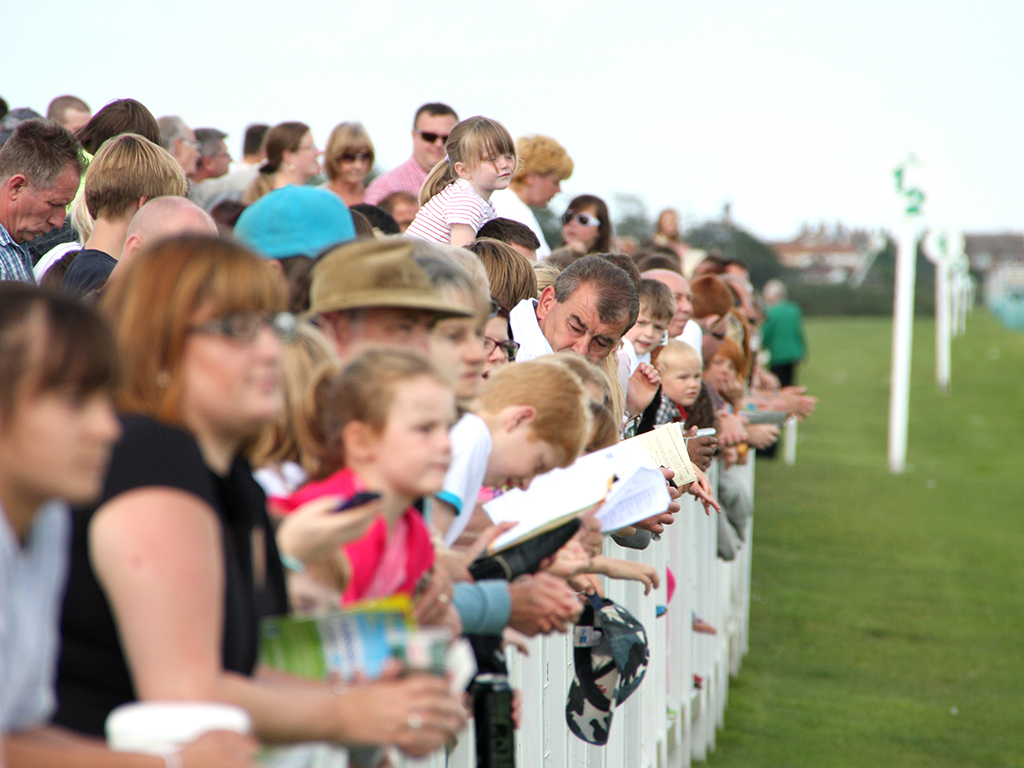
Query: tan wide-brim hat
[{"x": 376, "y": 273}]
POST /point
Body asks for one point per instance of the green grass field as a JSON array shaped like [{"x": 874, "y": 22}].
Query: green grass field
[{"x": 887, "y": 619}]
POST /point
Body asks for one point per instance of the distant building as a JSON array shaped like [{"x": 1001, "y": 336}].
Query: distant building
[
  {"x": 999, "y": 259},
  {"x": 829, "y": 255}
]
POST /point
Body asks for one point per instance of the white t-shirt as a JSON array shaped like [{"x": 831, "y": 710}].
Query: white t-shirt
[
  {"x": 509, "y": 206},
  {"x": 694, "y": 336},
  {"x": 526, "y": 330},
  {"x": 471, "y": 450},
  {"x": 458, "y": 203},
  {"x": 32, "y": 580}
]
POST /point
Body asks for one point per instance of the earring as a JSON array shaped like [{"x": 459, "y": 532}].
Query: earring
[{"x": 163, "y": 379}]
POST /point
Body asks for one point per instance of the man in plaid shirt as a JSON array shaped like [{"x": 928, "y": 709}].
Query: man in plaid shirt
[{"x": 41, "y": 166}]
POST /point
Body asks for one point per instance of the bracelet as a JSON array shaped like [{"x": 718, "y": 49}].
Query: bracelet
[
  {"x": 174, "y": 760},
  {"x": 293, "y": 564}
]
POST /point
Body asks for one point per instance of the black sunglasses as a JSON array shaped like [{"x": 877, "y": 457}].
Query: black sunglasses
[{"x": 430, "y": 138}]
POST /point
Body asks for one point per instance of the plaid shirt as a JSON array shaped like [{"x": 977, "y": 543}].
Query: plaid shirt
[
  {"x": 408, "y": 177},
  {"x": 15, "y": 262}
]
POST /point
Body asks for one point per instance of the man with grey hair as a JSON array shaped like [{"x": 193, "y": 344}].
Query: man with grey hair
[
  {"x": 180, "y": 140},
  {"x": 214, "y": 158},
  {"x": 588, "y": 308},
  {"x": 40, "y": 170}
]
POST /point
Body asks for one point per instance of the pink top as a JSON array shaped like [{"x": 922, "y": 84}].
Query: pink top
[
  {"x": 383, "y": 563},
  {"x": 408, "y": 177},
  {"x": 458, "y": 203}
]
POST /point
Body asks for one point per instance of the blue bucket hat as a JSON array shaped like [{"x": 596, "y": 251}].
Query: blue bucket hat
[{"x": 295, "y": 221}]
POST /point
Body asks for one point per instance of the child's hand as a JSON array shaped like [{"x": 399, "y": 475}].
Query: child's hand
[
  {"x": 702, "y": 491},
  {"x": 761, "y": 436},
  {"x": 315, "y": 530},
  {"x": 571, "y": 560},
  {"x": 642, "y": 387},
  {"x": 731, "y": 429},
  {"x": 615, "y": 568}
]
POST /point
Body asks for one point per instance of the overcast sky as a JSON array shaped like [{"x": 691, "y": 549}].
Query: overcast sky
[{"x": 791, "y": 110}]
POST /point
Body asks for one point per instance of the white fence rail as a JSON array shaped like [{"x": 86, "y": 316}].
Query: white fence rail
[{"x": 668, "y": 722}]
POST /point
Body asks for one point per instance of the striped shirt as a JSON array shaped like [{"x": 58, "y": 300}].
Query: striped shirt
[
  {"x": 15, "y": 261},
  {"x": 458, "y": 203},
  {"x": 408, "y": 177}
]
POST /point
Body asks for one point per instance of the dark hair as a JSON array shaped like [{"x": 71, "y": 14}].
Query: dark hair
[
  {"x": 58, "y": 342},
  {"x": 625, "y": 263},
  {"x": 617, "y": 297},
  {"x": 511, "y": 232},
  {"x": 434, "y": 109},
  {"x": 603, "y": 244},
  {"x": 41, "y": 150},
  {"x": 283, "y": 137},
  {"x": 378, "y": 218},
  {"x": 117, "y": 117},
  {"x": 361, "y": 224},
  {"x": 225, "y": 215},
  {"x": 254, "y": 135},
  {"x": 648, "y": 260}
]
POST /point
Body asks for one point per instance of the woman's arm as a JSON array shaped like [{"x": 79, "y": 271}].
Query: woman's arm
[{"x": 157, "y": 554}]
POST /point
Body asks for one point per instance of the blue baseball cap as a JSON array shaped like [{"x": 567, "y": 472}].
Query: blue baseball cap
[{"x": 295, "y": 221}]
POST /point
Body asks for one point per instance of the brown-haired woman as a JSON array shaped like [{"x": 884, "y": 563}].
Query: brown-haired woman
[
  {"x": 291, "y": 159},
  {"x": 174, "y": 567}
]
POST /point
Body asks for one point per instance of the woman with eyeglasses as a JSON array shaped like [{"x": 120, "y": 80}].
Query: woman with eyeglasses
[
  {"x": 292, "y": 158},
  {"x": 347, "y": 162},
  {"x": 175, "y": 566},
  {"x": 586, "y": 226}
]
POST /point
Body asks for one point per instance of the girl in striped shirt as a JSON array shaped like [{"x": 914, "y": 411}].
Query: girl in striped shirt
[{"x": 455, "y": 198}]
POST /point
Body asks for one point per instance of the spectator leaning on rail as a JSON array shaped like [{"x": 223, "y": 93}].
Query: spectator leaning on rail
[
  {"x": 41, "y": 166},
  {"x": 589, "y": 307}
]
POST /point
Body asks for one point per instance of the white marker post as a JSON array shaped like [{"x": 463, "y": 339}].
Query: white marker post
[
  {"x": 912, "y": 202},
  {"x": 939, "y": 251}
]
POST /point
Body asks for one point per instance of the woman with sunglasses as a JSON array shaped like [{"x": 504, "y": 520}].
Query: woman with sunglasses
[
  {"x": 347, "y": 162},
  {"x": 175, "y": 566},
  {"x": 586, "y": 226}
]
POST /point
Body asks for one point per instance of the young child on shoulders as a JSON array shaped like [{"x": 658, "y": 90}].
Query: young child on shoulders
[
  {"x": 657, "y": 306},
  {"x": 386, "y": 418},
  {"x": 455, "y": 197}
]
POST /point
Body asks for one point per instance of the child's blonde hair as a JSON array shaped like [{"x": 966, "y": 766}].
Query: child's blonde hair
[
  {"x": 297, "y": 434},
  {"x": 674, "y": 353},
  {"x": 364, "y": 391},
  {"x": 470, "y": 142},
  {"x": 557, "y": 395}
]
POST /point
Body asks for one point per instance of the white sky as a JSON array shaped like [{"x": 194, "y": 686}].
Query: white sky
[{"x": 792, "y": 110}]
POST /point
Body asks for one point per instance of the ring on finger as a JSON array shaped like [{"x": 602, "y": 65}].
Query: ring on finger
[
  {"x": 443, "y": 599},
  {"x": 415, "y": 721}
]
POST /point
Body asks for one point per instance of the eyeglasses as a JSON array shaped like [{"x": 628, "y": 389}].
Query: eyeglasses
[
  {"x": 509, "y": 347},
  {"x": 243, "y": 327},
  {"x": 583, "y": 219},
  {"x": 351, "y": 158},
  {"x": 431, "y": 138}
]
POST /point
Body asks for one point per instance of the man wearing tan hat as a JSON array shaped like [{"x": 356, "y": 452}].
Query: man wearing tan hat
[{"x": 372, "y": 292}]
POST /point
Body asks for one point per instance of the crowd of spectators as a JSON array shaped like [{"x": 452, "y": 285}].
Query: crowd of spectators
[{"x": 218, "y": 355}]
